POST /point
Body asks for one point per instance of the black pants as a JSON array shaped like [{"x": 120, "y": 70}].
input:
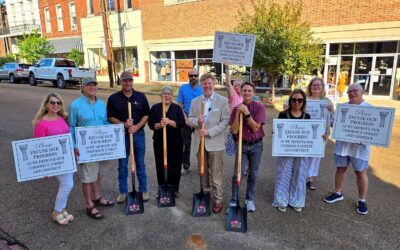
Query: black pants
[{"x": 187, "y": 141}]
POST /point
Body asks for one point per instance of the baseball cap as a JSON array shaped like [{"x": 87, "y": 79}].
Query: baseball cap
[
  {"x": 126, "y": 75},
  {"x": 88, "y": 81}
]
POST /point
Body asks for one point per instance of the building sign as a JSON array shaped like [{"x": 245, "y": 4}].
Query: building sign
[
  {"x": 298, "y": 138},
  {"x": 234, "y": 48},
  {"x": 318, "y": 109},
  {"x": 43, "y": 157},
  {"x": 363, "y": 124},
  {"x": 100, "y": 143}
]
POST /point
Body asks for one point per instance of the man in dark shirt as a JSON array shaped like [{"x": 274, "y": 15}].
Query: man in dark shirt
[{"x": 117, "y": 112}]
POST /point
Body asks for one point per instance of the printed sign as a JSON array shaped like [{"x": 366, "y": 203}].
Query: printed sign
[
  {"x": 298, "y": 138},
  {"x": 363, "y": 124},
  {"x": 318, "y": 109},
  {"x": 43, "y": 157},
  {"x": 100, "y": 143},
  {"x": 234, "y": 48}
]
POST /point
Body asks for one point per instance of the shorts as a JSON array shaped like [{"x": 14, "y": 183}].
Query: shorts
[
  {"x": 344, "y": 161},
  {"x": 89, "y": 172}
]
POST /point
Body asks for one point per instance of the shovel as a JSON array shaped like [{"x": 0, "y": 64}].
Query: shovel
[
  {"x": 237, "y": 216},
  {"x": 134, "y": 201},
  {"x": 166, "y": 196},
  {"x": 201, "y": 201}
]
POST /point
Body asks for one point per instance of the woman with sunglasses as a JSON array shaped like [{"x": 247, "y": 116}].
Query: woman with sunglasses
[
  {"x": 291, "y": 172},
  {"x": 51, "y": 120},
  {"x": 316, "y": 91}
]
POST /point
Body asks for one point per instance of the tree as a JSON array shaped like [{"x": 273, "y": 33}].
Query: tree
[
  {"x": 284, "y": 43},
  {"x": 33, "y": 47},
  {"x": 77, "y": 56}
]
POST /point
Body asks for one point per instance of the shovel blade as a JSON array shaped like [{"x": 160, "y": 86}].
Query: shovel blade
[
  {"x": 236, "y": 221},
  {"x": 134, "y": 203},
  {"x": 201, "y": 204},
  {"x": 166, "y": 197}
]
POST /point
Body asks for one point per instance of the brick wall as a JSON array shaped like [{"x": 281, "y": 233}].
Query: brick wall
[{"x": 202, "y": 18}]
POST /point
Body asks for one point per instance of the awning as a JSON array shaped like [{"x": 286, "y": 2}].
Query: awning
[{"x": 65, "y": 45}]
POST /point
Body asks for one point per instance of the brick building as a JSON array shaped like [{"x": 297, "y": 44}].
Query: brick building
[
  {"x": 5, "y": 41},
  {"x": 60, "y": 22}
]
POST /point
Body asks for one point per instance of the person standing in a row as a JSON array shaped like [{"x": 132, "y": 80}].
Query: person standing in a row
[
  {"x": 174, "y": 122},
  {"x": 216, "y": 120},
  {"x": 117, "y": 112},
  {"x": 51, "y": 120},
  {"x": 89, "y": 110}
]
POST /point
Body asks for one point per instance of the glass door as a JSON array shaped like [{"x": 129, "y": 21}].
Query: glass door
[
  {"x": 362, "y": 72},
  {"x": 382, "y": 77}
]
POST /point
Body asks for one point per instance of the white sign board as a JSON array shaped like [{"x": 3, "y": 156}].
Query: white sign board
[
  {"x": 363, "y": 124},
  {"x": 43, "y": 157},
  {"x": 318, "y": 109},
  {"x": 100, "y": 143},
  {"x": 234, "y": 48},
  {"x": 298, "y": 138}
]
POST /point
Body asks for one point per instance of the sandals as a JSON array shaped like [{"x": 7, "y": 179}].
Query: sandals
[
  {"x": 68, "y": 216},
  {"x": 94, "y": 215},
  {"x": 98, "y": 203},
  {"x": 310, "y": 185},
  {"x": 59, "y": 218}
]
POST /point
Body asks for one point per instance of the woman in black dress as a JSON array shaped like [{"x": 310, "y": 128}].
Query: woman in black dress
[{"x": 174, "y": 121}]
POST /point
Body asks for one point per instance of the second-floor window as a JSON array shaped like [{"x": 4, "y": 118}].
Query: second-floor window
[
  {"x": 111, "y": 5},
  {"x": 47, "y": 20},
  {"x": 73, "y": 16},
  {"x": 128, "y": 4},
  {"x": 60, "y": 24},
  {"x": 90, "y": 7}
]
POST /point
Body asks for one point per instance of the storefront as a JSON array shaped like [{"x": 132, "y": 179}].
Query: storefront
[{"x": 375, "y": 65}]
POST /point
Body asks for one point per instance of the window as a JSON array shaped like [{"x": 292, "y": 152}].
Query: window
[
  {"x": 21, "y": 9},
  {"x": 13, "y": 13},
  {"x": 128, "y": 4},
  {"x": 334, "y": 49},
  {"x": 347, "y": 48},
  {"x": 386, "y": 47},
  {"x": 32, "y": 9},
  {"x": 111, "y": 5},
  {"x": 90, "y": 7},
  {"x": 161, "y": 66},
  {"x": 364, "y": 48},
  {"x": 72, "y": 14},
  {"x": 60, "y": 24},
  {"x": 47, "y": 20}
]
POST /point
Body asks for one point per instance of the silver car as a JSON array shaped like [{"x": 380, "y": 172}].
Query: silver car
[{"x": 14, "y": 72}]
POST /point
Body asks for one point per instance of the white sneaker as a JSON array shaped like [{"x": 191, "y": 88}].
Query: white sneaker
[
  {"x": 121, "y": 198},
  {"x": 251, "y": 207},
  {"x": 282, "y": 209}
]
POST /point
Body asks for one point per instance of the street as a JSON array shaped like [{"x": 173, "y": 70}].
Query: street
[{"x": 25, "y": 208}]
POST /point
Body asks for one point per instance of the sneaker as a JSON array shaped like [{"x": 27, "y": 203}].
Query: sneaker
[
  {"x": 185, "y": 171},
  {"x": 282, "y": 209},
  {"x": 251, "y": 207},
  {"x": 333, "y": 197},
  {"x": 297, "y": 209},
  {"x": 121, "y": 198},
  {"x": 362, "y": 207},
  {"x": 146, "y": 196}
]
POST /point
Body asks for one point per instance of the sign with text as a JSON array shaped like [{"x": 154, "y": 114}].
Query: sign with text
[
  {"x": 298, "y": 138},
  {"x": 318, "y": 109},
  {"x": 234, "y": 48},
  {"x": 100, "y": 143},
  {"x": 363, "y": 124},
  {"x": 43, "y": 157}
]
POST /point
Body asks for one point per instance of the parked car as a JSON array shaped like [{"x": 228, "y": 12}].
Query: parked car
[
  {"x": 59, "y": 71},
  {"x": 14, "y": 72}
]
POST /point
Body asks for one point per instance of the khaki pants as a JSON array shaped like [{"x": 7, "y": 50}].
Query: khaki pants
[{"x": 213, "y": 171}]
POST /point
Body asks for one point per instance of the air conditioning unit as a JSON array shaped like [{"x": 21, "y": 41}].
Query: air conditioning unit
[{"x": 74, "y": 26}]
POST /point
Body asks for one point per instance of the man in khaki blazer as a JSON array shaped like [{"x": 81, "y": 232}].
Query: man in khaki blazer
[{"x": 216, "y": 118}]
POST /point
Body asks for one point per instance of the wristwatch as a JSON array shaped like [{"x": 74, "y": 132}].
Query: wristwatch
[{"x": 247, "y": 116}]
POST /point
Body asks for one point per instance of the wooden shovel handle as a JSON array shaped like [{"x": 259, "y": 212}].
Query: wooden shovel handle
[
  {"x": 164, "y": 133},
  {"x": 202, "y": 143},
  {"x": 239, "y": 161},
  {"x": 131, "y": 154}
]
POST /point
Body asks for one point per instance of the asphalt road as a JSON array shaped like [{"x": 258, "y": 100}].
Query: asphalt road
[{"x": 25, "y": 208}]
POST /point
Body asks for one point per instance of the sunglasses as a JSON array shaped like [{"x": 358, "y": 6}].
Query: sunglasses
[
  {"x": 54, "y": 103},
  {"x": 193, "y": 75},
  {"x": 300, "y": 100}
]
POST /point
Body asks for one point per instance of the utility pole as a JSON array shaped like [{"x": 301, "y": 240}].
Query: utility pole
[{"x": 108, "y": 41}]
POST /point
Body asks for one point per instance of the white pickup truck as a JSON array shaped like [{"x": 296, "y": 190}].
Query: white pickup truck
[{"x": 59, "y": 71}]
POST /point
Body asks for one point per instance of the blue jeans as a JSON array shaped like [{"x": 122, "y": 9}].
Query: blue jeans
[
  {"x": 139, "y": 151},
  {"x": 252, "y": 155}
]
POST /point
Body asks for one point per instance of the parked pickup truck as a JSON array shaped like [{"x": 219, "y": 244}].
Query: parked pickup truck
[{"x": 59, "y": 71}]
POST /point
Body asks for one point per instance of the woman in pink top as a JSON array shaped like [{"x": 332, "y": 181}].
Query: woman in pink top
[
  {"x": 234, "y": 96},
  {"x": 51, "y": 120}
]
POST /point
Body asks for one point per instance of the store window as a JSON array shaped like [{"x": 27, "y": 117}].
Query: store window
[
  {"x": 111, "y": 5},
  {"x": 90, "y": 7},
  {"x": 185, "y": 60},
  {"x": 334, "y": 49},
  {"x": 161, "y": 66},
  {"x": 60, "y": 23},
  {"x": 386, "y": 47},
  {"x": 347, "y": 48},
  {"x": 364, "y": 48},
  {"x": 346, "y": 63},
  {"x": 126, "y": 59}
]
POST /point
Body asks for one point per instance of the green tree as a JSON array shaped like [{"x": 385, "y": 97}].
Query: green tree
[
  {"x": 33, "y": 47},
  {"x": 77, "y": 56},
  {"x": 6, "y": 59},
  {"x": 284, "y": 43}
]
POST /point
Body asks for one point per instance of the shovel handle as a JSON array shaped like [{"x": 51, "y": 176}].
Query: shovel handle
[
  {"x": 164, "y": 132},
  {"x": 202, "y": 143},
  {"x": 239, "y": 161},
  {"x": 131, "y": 153}
]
